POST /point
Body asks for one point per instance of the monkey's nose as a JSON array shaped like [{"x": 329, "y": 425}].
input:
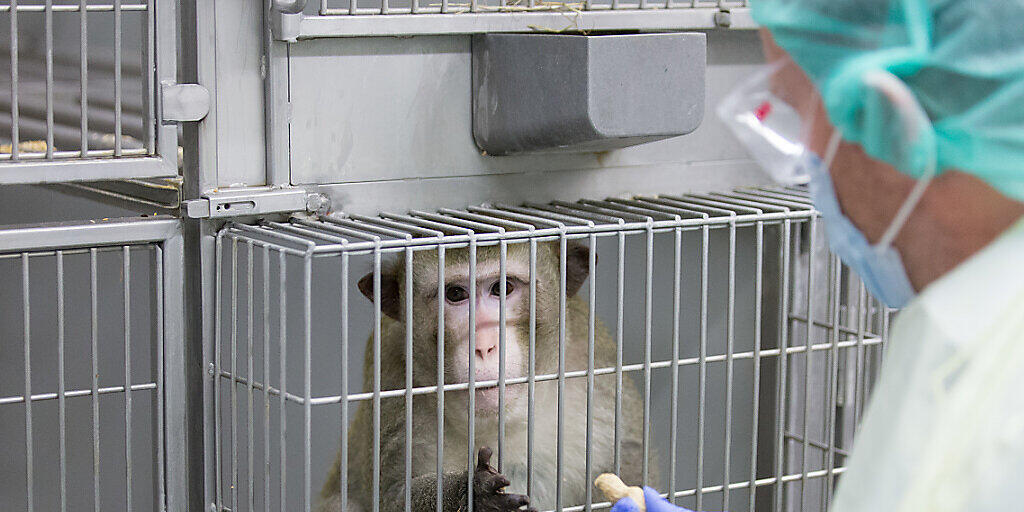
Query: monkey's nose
[{"x": 485, "y": 352}]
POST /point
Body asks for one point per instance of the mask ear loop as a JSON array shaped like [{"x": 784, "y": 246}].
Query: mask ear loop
[{"x": 914, "y": 118}]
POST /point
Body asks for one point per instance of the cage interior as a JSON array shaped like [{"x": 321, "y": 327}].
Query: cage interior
[{"x": 706, "y": 296}]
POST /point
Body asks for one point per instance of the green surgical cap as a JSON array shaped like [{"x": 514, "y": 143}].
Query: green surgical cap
[{"x": 962, "y": 59}]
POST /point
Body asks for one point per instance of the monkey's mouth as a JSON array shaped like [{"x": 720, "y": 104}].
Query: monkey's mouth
[{"x": 489, "y": 398}]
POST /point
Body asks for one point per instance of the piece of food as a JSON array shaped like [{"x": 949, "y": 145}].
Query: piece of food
[{"x": 614, "y": 489}]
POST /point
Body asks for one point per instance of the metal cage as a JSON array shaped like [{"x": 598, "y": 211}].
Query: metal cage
[
  {"x": 753, "y": 346},
  {"x": 80, "y": 100},
  {"x": 92, "y": 406}
]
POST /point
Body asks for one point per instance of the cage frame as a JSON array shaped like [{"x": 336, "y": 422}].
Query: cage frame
[
  {"x": 159, "y": 156},
  {"x": 165, "y": 234},
  {"x": 339, "y": 235}
]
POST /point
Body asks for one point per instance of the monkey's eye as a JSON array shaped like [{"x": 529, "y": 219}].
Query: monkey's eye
[
  {"x": 455, "y": 294},
  {"x": 496, "y": 288}
]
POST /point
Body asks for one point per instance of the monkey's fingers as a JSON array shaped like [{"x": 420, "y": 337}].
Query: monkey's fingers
[
  {"x": 483, "y": 459},
  {"x": 500, "y": 502},
  {"x": 493, "y": 483}
]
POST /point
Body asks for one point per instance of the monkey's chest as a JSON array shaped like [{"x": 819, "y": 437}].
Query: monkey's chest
[{"x": 541, "y": 471}]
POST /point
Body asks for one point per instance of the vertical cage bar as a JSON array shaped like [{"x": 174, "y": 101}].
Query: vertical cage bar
[
  {"x": 677, "y": 276},
  {"x": 830, "y": 429},
  {"x": 233, "y": 388},
  {"x": 503, "y": 275},
  {"x": 471, "y": 392},
  {"x": 150, "y": 81},
  {"x": 560, "y": 430},
  {"x": 729, "y": 341},
  {"x": 61, "y": 411},
  {"x": 118, "y": 85},
  {"x": 27, "y": 334},
  {"x": 859, "y": 379},
  {"x": 161, "y": 447},
  {"x": 83, "y": 70},
  {"x": 758, "y": 269},
  {"x": 591, "y": 341},
  {"x": 219, "y": 317},
  {"x": 376, "y": 376},
  {"x": 785, "y": 248},
  {"x": 266, "y": 378},
  {"x": 127, "y": 273},
  {"x": 283, "y": 361},
  {"x": 620, "y": 284},
  {"x": 809, "y": 332},
  {"x": 532, "y": 368},
  {"x": 307, "y": 342},
  {"x": 94, "y": 331},
  {"x": 250, "y": 379},
  {"x": 648, "y": 311},
  {"x": 48, "y": 36},
  {"x": 408, "y": 379},
  {"x": 440, "y": 378},
  {"x": 343, "y": 455},
  {"x": 15, "y": 129},
  {"x": 702, "y": 363}
]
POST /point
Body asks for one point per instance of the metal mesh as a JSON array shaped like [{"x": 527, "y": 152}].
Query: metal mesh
[
  {"x": 76, "y": 88},
  {"x": 82, "y": 385},
  {"x": 747, "y": 403}
]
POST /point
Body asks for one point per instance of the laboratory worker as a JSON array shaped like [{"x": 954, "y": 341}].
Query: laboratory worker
[{"x": 905, "y": 118}]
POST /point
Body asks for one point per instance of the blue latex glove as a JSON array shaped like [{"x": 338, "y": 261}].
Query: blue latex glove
[{"x": 653, "y": 500}]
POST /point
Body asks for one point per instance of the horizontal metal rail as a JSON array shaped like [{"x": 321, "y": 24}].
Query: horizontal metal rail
[
  {"x": 555, "y": 18},
  {"x": 76, "y": 393},
  {"x": 100, "y": 233}
]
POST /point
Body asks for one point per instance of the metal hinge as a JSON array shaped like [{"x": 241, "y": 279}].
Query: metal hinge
[
  {"x": 184, "y": 102},
  {"x": 255, "y": 201},
  {"x": 735, "y": 18},
  {"x": 287, "y": 17}
]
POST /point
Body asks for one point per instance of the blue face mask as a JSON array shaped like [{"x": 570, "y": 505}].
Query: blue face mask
[{"x": 879, "y": 267}]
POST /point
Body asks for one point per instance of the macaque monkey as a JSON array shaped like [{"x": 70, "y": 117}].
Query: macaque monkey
[{"x": 488, "y": 495}]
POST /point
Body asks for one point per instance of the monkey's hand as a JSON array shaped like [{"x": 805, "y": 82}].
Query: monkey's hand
[{"x": 489, "y": 488}]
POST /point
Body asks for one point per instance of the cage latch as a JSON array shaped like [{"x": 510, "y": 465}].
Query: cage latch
[
  {"x": 255, "y": 201},
  {"x": 184, "y": 102}
]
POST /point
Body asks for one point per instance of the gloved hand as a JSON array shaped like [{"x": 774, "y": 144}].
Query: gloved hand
[{"x": 653, "y": 500}]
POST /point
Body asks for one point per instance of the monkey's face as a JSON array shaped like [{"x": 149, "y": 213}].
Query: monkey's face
[{"x": 480, "y": 339}]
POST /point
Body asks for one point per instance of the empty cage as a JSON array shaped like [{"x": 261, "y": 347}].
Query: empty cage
[
  {"x": 92, "y": 383},
  {"x": 751, "y": 347},
  {"x": 79, "y": 99}
]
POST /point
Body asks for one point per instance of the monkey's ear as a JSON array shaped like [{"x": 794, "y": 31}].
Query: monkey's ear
[
  {"x": 577, "y": 267},
  {"x": 388, "y": 292}
]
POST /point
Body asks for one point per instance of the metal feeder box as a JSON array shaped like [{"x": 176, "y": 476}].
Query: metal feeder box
[{"x": 576, "y": 93}]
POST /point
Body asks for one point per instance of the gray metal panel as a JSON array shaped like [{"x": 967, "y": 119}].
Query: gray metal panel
[
  {"x": 229, "y": 64},
  {"x": 401, "y": 109},
  {"x": 369, "y": 198},
  {"x": 572, "y": 93}
]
